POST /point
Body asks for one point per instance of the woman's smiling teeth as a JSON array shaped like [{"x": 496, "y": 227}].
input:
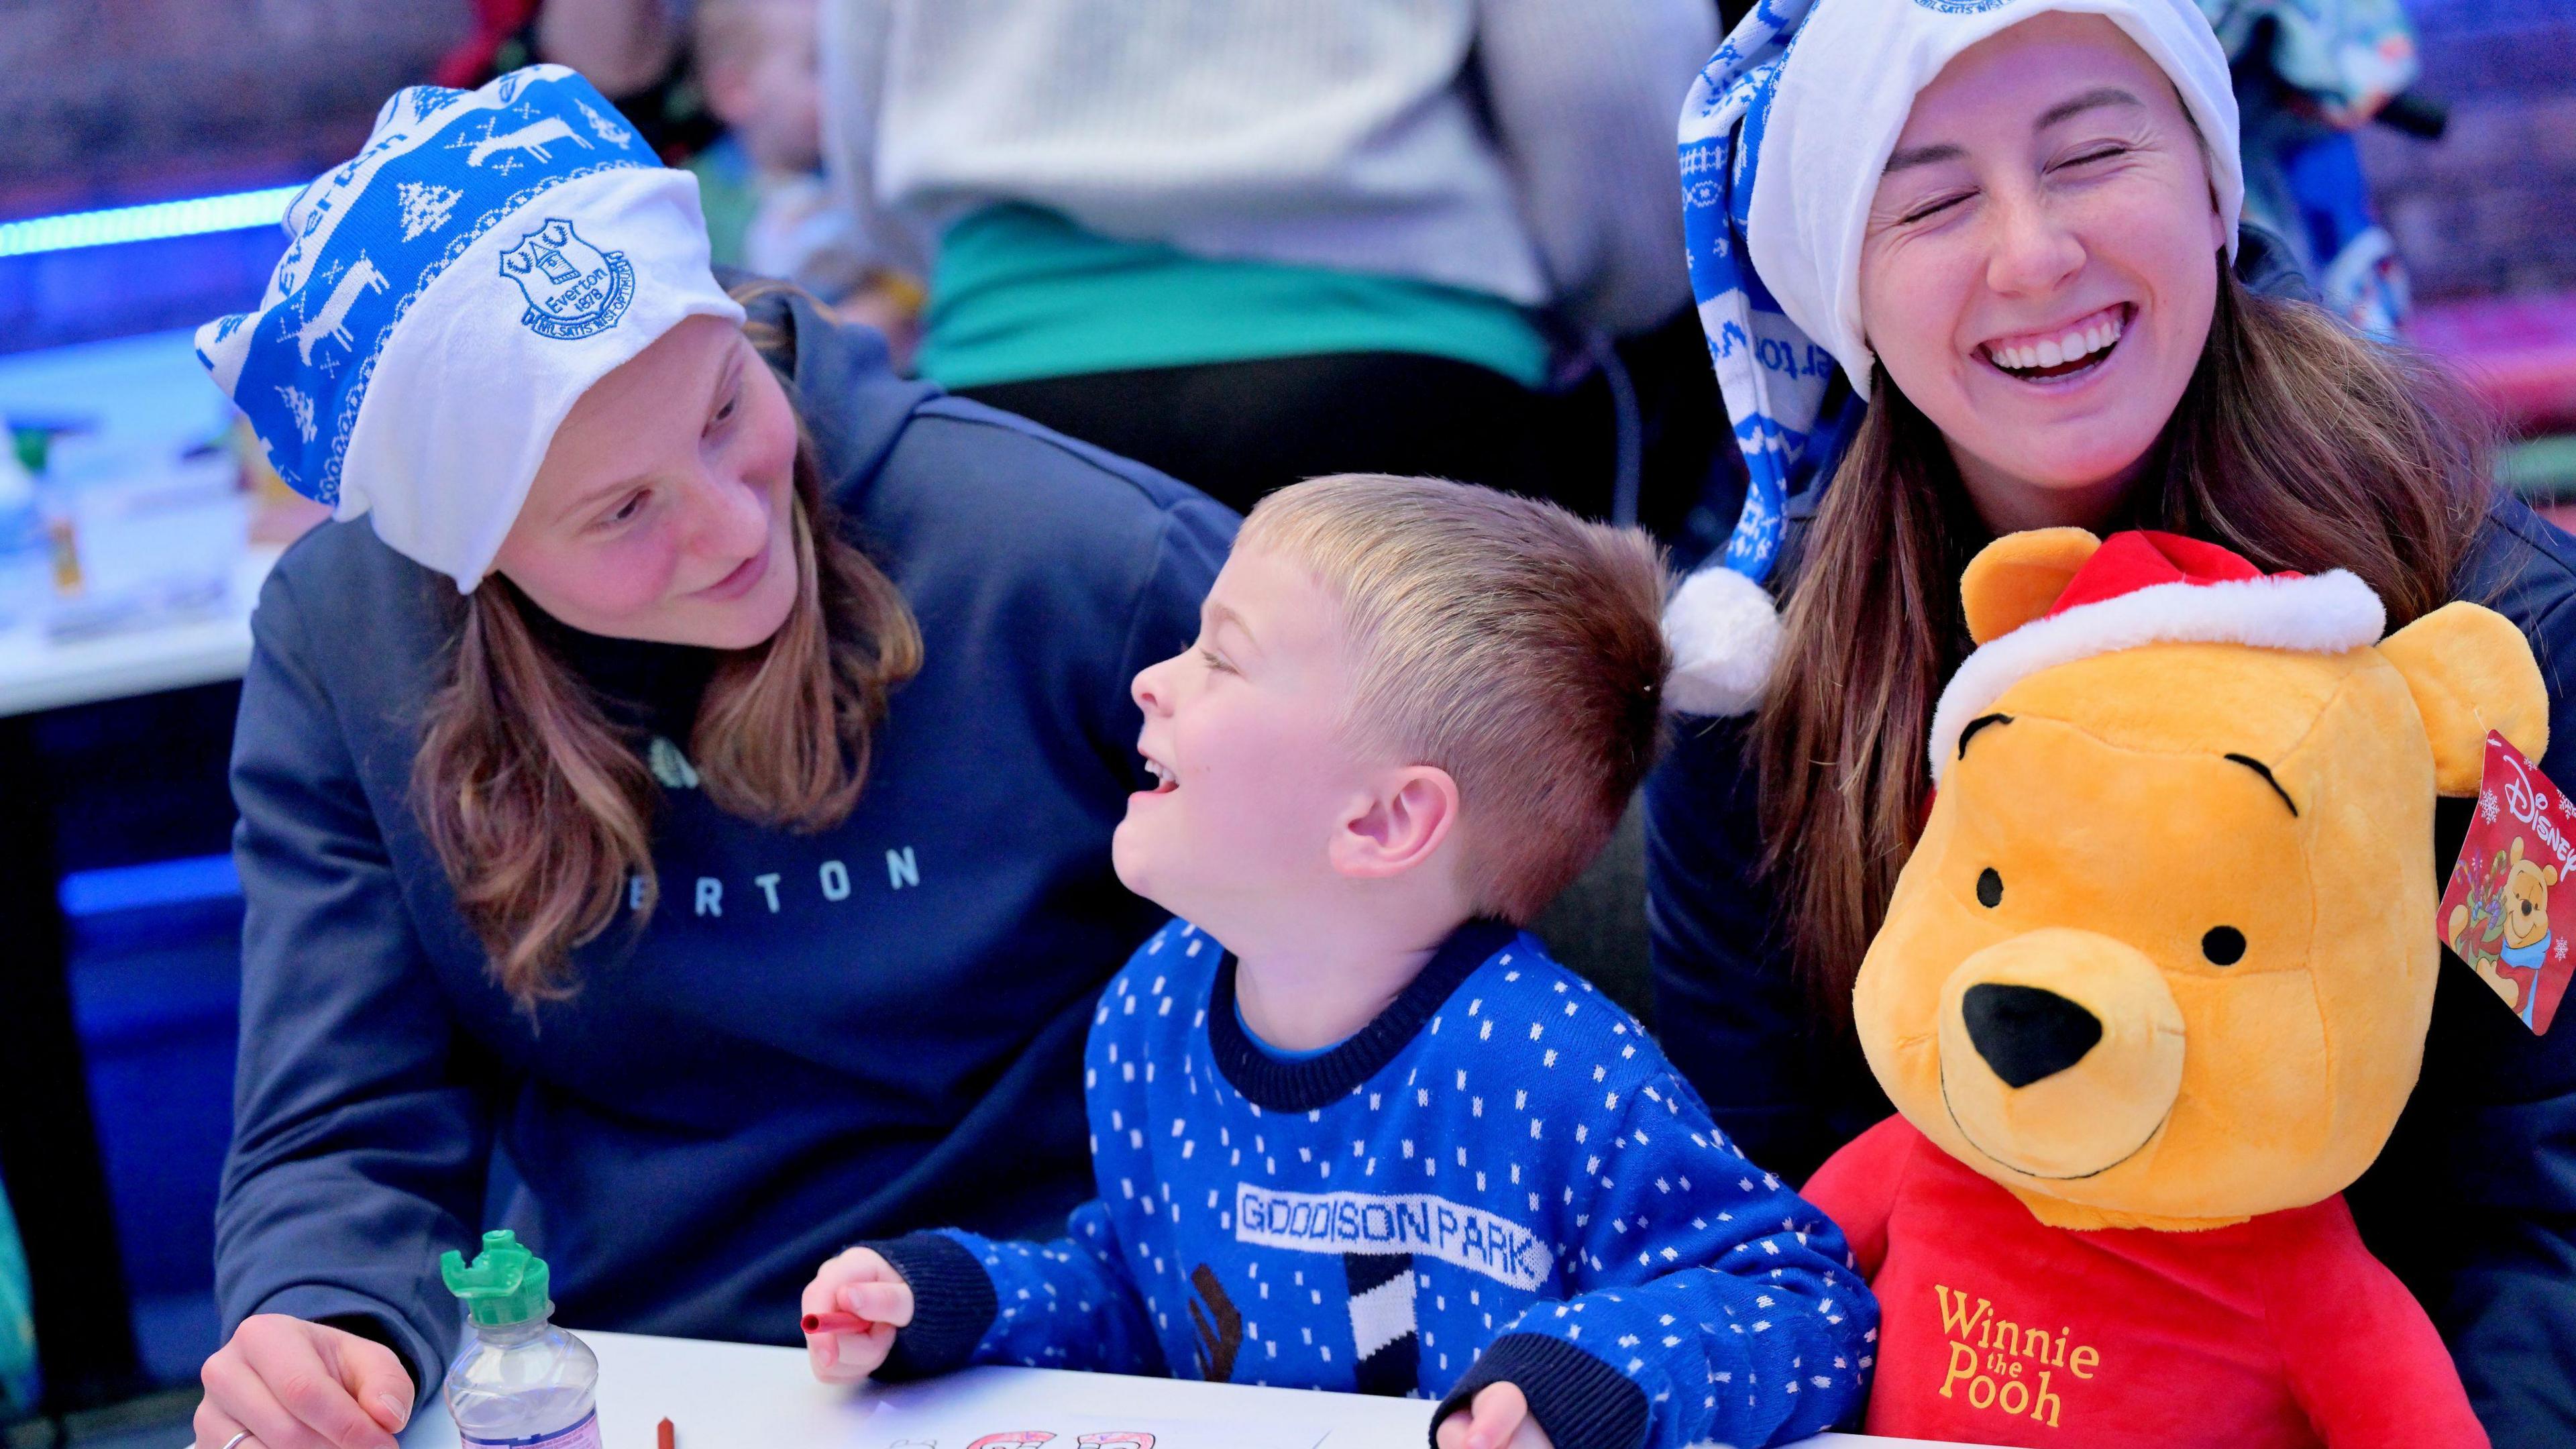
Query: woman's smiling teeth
[{"x": 2063, "y": 352}]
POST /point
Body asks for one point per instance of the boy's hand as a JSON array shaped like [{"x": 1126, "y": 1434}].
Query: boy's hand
[
  {"x": 1497, "y": 1418},
  {"x": 863, "y": 1283}
]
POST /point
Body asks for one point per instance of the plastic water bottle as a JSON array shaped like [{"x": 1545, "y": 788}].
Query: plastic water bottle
[{"x": 519, "y": 1381}]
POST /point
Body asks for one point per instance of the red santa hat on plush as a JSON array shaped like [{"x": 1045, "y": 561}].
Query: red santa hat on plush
[{"x": 2144, "y": 587}]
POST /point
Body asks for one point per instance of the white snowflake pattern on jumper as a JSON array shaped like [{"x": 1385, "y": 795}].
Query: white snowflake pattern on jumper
[{"x": 1225, "y": 1244}]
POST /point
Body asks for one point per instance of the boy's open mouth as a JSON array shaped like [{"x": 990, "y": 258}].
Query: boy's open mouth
[
  {"x": 1165, "y": 782},
  {"x": 2066, "y": 352}
]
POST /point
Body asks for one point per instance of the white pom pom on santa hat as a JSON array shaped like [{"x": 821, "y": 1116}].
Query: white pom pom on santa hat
[
  {"x": 2140, "y": 587},
  {"x": 1724, "y": 632}
]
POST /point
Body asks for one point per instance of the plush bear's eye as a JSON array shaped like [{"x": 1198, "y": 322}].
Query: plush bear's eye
[
  {"x": 2224, "y": 945},
  {"x": 1990, "y": 888}
]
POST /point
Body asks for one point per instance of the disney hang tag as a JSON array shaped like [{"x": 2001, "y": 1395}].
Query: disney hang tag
[{"x": 2496, "y": 912}]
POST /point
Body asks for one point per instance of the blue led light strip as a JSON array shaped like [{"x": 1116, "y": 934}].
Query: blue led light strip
[
  {"x": 236, "y": 212},
  {"x": 160, "y": 883}
]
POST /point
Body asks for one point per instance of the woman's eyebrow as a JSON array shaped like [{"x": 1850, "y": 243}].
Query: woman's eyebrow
[
  {"x": 2093, "y": 99},
  {"x": 1922, "y": 156},
  {"x": 598, "y": 496},
  {"x": 2074, "y": 106}
]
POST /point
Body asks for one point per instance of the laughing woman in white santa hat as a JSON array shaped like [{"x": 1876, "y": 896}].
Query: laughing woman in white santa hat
[
  {"x": 685, "y": 771},
  {"x": 1972, "y": 266}
]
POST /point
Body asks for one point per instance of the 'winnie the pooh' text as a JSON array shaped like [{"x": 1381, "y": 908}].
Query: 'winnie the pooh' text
[{"x": 1988, "y": 1356}]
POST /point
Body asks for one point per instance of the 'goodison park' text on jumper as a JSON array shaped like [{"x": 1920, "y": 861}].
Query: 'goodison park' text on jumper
[{"x": 1498, "y": 1179}]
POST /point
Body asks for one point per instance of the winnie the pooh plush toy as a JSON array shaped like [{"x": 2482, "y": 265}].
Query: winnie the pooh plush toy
[{"x": 2150, "y": 994}]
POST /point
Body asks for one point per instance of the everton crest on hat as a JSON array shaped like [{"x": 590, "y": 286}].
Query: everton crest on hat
[{"x": 449, "y": 293}]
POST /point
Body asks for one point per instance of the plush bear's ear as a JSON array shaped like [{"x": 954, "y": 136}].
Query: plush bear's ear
[
  {"x": 2513, "y": 855},
  {"x": 2014, "y": 579},
  {"x": 2470, "y": 671}
]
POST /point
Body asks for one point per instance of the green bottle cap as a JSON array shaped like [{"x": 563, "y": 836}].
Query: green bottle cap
[{"x": 504, "y": 1285}]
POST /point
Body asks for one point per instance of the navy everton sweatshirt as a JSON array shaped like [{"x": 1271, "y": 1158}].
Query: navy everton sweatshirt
[{"x": 813, "y": 1039}]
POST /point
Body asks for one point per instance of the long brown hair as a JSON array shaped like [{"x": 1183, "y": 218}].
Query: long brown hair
[
  {"x": 541, "y": 807},
  {"x": 2296, "y": 443}
]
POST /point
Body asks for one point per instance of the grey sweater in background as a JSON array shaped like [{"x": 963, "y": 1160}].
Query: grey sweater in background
[{"x": 1522, "y": 148}]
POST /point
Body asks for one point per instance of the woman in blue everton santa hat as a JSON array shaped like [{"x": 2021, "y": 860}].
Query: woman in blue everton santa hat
[
  {"x": 682, "y": 705},
  {"x": 1971, "y": 266}
]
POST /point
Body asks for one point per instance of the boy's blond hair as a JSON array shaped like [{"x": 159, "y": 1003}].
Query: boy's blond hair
[{"x": 1501, "y": 639}]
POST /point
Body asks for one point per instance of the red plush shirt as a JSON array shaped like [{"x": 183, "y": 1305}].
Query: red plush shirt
[{"x": 1996, "y": 1329}]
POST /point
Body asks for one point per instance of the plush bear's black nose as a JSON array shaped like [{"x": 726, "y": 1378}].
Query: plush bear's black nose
[{"x": 2025, "y": 1033}]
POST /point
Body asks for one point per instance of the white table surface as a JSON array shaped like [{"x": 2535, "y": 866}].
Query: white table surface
[
  {"x": 40, "y": 673},
  {"x": 747, "y": 1396},
  {"x": 148, "y": 390}
]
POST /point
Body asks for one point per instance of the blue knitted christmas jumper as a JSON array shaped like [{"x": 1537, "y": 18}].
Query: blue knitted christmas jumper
[{"x": 1497, "y": 1179}]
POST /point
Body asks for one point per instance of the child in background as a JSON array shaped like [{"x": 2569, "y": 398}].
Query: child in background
[
  {"x": 1352, "y": 1128},
  {"x": 756, "y": 60}
]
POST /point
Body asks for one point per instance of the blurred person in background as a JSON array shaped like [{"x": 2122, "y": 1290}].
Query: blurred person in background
[
  {"x": 1251, "y": 243},
  {"x": 728, "y": 90},
  {"x": 756, "y": 62},
  {"x": 2308, "y": 74},
  {"x": 633, "y": 50}
]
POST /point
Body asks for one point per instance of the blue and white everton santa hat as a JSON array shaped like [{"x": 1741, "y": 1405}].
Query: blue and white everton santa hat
[
  {"x": 448, "y": 295},
  {"x": 1783, "y": 139}
]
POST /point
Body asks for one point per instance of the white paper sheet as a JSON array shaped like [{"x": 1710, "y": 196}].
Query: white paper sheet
[{"x": 926, "y": 1425}]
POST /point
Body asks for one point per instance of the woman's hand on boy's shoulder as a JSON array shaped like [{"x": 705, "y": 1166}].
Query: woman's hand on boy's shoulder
[
  {"x": 1497, "y": 1418},
  {"x": 859, "y": 1282}
]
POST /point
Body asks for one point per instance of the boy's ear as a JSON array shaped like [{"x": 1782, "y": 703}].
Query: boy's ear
[
  {"x": 1397, "y": 826},
  {"x": 2014, "y": 579},
  {"x": 2470, "y": 671}
]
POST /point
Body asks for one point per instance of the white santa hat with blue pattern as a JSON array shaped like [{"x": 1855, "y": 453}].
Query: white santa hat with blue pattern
[
  {"x": 448, "y": 295},
  {"x": 1783, "y": 138}
]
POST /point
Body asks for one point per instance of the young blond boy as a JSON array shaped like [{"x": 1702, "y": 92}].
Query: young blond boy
[{"x": 1376, "y": 1140}]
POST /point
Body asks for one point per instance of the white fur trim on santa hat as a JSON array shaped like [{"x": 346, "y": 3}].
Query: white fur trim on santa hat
[
  {"x": 1725, "y": 635},
  {"x": 2316, "y": 614}
]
